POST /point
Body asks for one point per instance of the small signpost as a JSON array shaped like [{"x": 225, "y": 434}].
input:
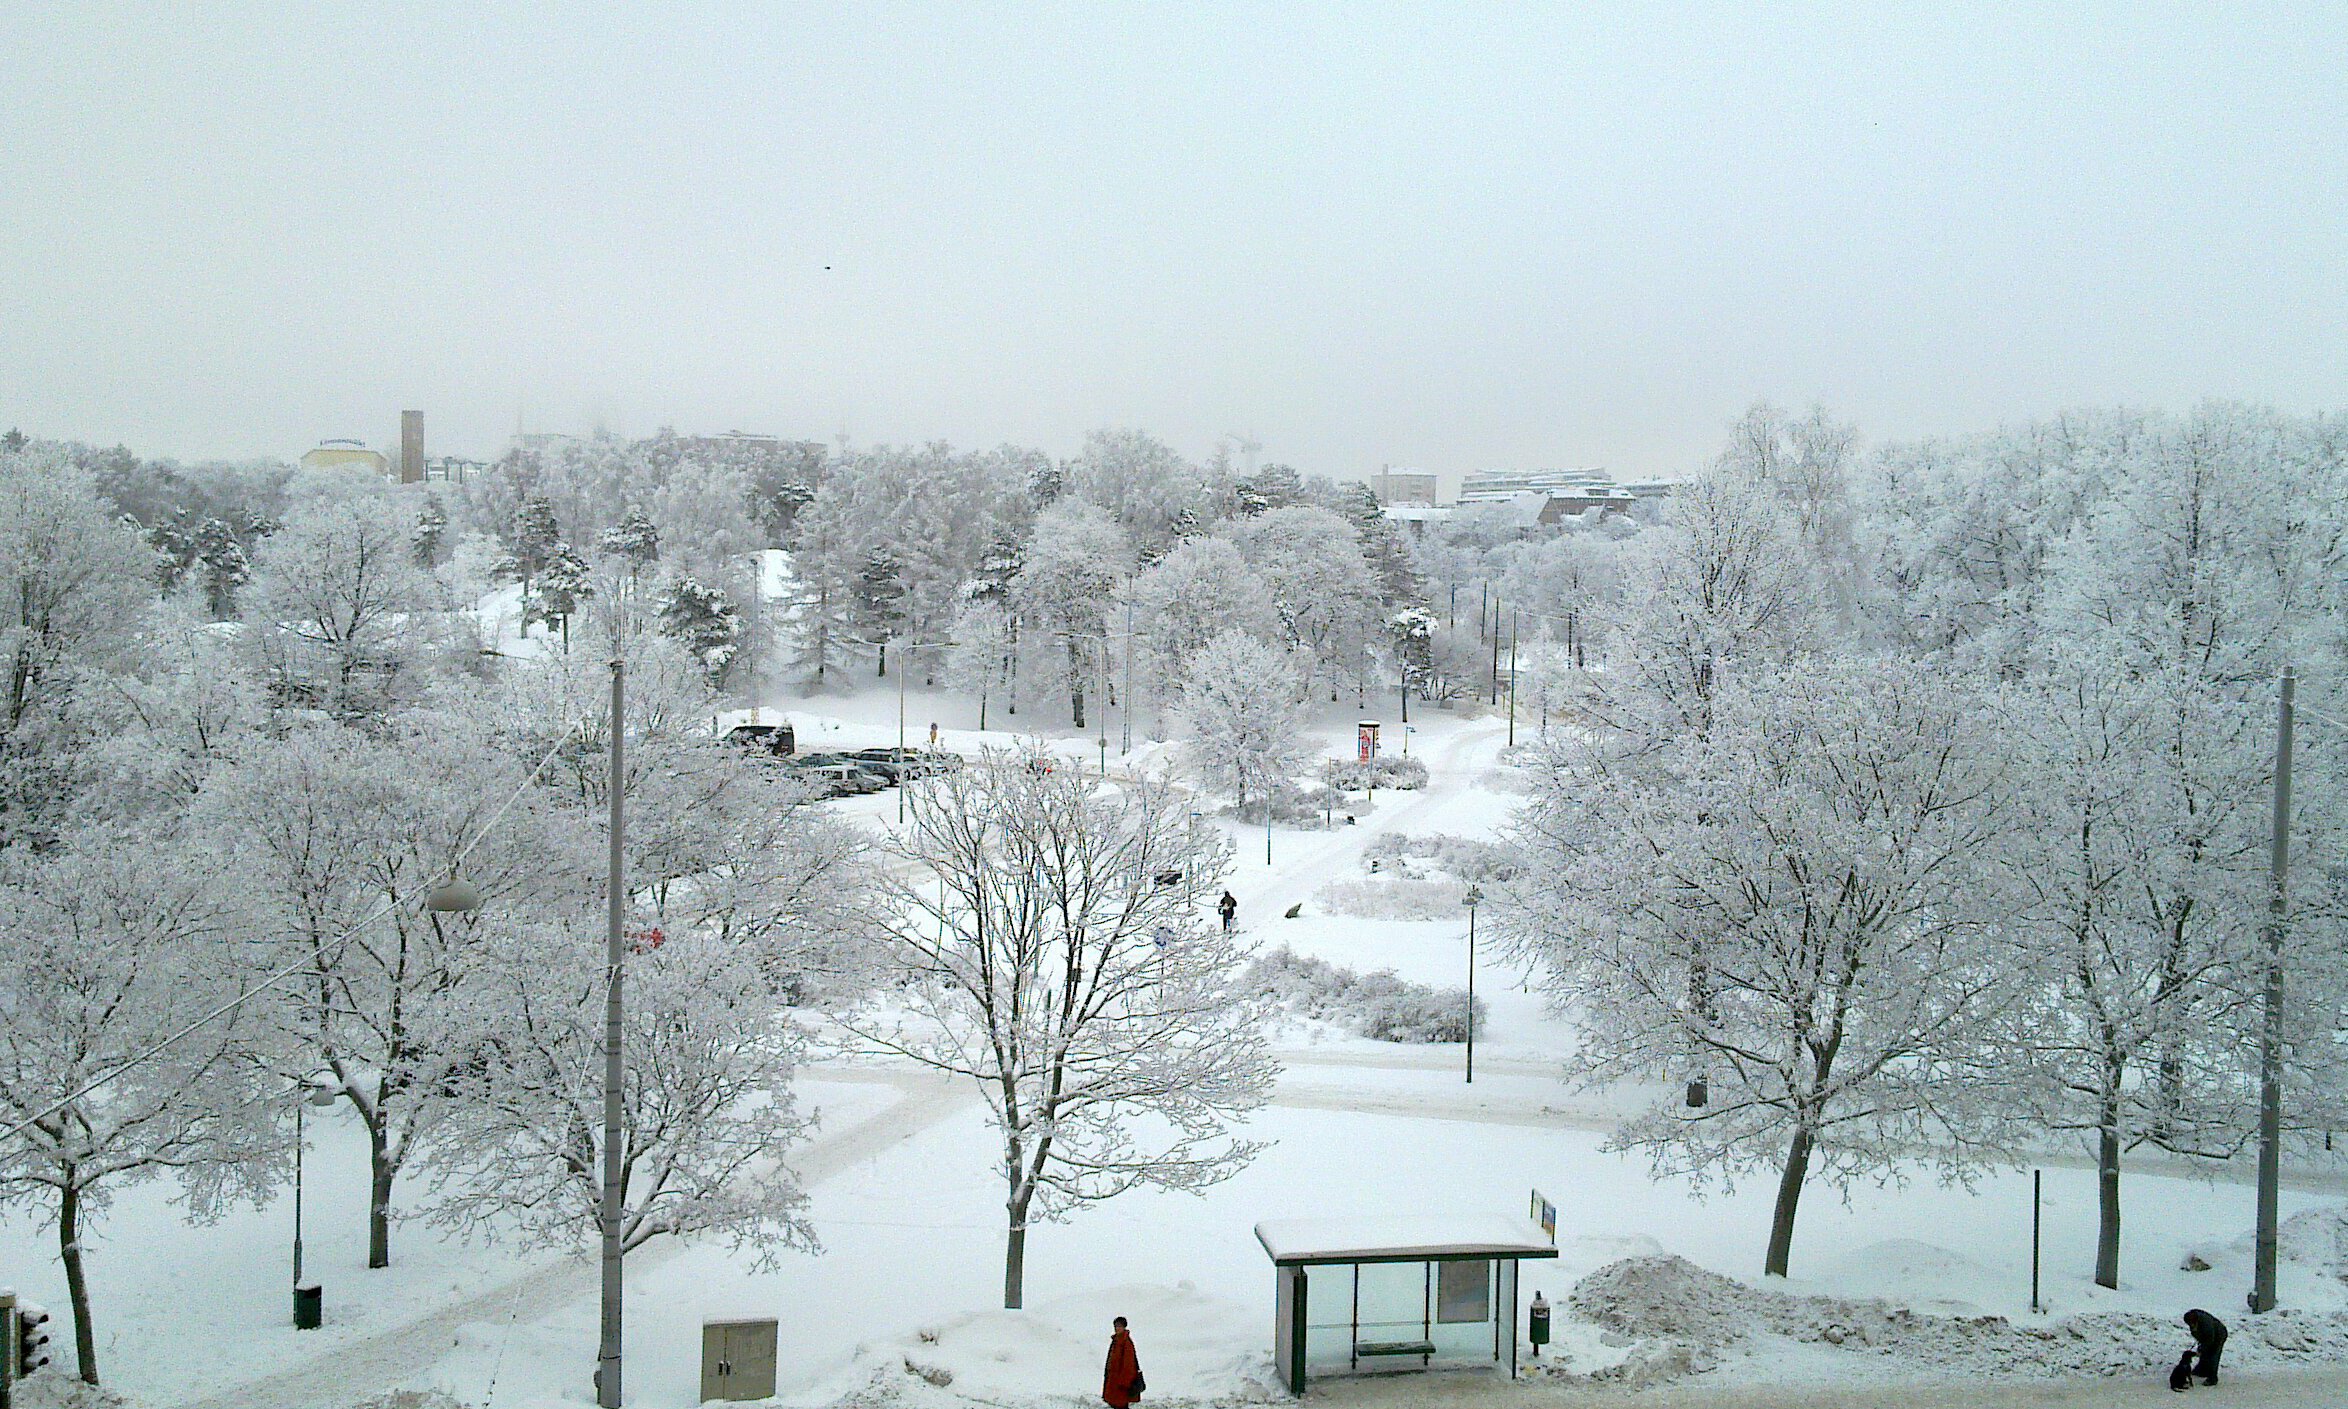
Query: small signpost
[{"x": 1545, "y": 1214}]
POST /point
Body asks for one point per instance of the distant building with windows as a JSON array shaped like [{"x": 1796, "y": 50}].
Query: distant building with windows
[
  {"x": 1499, "y": 486},
  {"x": 1393, "y": 486}
]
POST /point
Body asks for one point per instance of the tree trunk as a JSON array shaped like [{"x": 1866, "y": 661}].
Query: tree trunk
[
  {"x": 379, "y": 1206},
  {"x": 77, "y": 1285},
  {"x": 982, "y": 711},
  {"x": 2107, "y": 1194},
  {"x": 1014, "y": 1265},
  {"x": 1789, "y": 1199}
]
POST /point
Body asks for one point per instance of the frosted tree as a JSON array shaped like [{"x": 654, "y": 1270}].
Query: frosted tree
[
  {"x": 1242, "y": 718},
  {"x": 429, "y": 539},
  {"x": 337, "y": 603},
  {"x": 880, "y": 604},
  {"x": 1071, "y": 569},
  {"x": 634, "y": 540},
  {"x": 979, "y": 661},
  {"x": 73, "y": 583},
  {"x": 531, "y": 534},
  {"x": 1720, "y": 588},
  {"x": 1139, "y": 480},
  {"x": 1573, "y": 582},
  {"x": 1195, "y": 593},
  {"x": 1317, "y": 585},
  {"x": 116, "y": 942},
  {"x": 1805, "y": 918},
  {"x": 184, "y": 704},
  {"x": 2128, "y": 1031},
  {"x": 562, "y": 586},
  {"x": 707, "y": 1110},
  {"x": 334, "y": 835},
  {"x": 1044, "y": 957},
  {"x": 704, "y": 620}
]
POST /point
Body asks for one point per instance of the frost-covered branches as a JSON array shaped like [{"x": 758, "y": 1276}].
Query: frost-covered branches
[
  {"x": 1805, "y": 915},
  {"x": 1049, "y": 951},
  {"x": 707, "y": 1104},
  {"x": 117, "y": 942},
  {"x": 1242, "y": 717}
]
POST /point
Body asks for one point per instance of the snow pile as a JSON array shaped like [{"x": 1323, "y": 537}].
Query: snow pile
[
  {"x": 1667, "y": 1303},
  {"x": 1188, "y": 1342},
  {"x": 1379, "y": 1005},
  {"x": 60, "y": 1391}
]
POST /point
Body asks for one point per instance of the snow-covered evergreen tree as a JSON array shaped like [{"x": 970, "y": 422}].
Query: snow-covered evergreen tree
[{"x": 704, "y": 619}]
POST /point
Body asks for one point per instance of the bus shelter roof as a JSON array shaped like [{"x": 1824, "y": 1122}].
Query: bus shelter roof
[{"x": 1406, "y": 1238}]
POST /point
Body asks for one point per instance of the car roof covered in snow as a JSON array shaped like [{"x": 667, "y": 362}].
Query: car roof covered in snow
[{"x": 1408, "y": 1238}]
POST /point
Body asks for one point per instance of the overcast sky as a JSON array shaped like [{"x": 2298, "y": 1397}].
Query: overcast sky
[{"x": 1452, "y": 236}]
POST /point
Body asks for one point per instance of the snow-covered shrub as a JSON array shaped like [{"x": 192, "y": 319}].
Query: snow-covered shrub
[
  {"x": 1353, "y": 775},
  {"x": 1395, "y": 898},
  {"x": 1381, "y": 1005},
  {"x": 1470, "y": 860}
]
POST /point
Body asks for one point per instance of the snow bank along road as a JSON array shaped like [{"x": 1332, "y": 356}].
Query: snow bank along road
[{"x": 358, "y": 1370}]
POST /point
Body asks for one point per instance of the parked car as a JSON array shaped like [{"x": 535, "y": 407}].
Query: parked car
[
  {"x": 907, "y": 763},
  {"x": 776, "y": 740},
  {"x": 841, "y": 780}
]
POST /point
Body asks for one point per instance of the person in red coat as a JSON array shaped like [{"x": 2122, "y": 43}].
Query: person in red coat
[{"x": 1121, "y": 1381}]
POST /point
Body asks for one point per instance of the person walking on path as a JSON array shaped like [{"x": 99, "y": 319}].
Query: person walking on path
[
  {"x": 1228, "y": 907},
  {"x": 2209, "y": 1341},
  {"x": 933, "y": 736},
  {"x": 1121, "y": 1382}
]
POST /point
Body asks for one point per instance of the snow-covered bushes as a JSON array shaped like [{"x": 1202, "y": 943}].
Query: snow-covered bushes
[
  {"x": 1469, "y": 860},
  {"x": 1393, "y": 898},
  {"x": 1380, "y": 1005},
  {"x": 1353, "y": 775}
]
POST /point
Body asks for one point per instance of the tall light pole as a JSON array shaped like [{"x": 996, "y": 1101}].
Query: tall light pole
[
  {"x": 1125, "y": 717},
  {"x": 607, "y": 1354},
  {"x": 305, "y": 1315},
  {"x": 2270, "y": 1047},
  {"x": 1472, "y": 899},
  {"x": 1512, "y": 630}
]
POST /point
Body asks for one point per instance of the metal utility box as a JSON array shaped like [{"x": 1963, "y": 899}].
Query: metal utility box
[{"x": 738, "y": 1360}]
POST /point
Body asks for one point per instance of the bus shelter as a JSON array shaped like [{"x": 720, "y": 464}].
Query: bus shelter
[{"x": 1358, "y": 1294}]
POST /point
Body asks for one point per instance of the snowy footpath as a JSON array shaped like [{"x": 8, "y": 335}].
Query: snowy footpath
[{"x": 1915, "y": 1295}]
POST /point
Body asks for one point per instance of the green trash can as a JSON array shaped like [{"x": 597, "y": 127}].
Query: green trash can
[{"x": 309, "y": 1306}]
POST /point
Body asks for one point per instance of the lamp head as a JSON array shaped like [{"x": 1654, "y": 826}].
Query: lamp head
[
  {"x": 1473, "y": 898},
  {"x": 453, "y": 896}
]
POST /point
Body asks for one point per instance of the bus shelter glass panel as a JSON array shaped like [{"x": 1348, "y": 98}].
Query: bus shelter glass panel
[
  {"x": 1394, "y": 1301},
  {"x": 1328, "y": 1325}
]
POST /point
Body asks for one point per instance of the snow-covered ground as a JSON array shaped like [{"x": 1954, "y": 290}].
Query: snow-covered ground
[{"x": 901, "y": 1306}]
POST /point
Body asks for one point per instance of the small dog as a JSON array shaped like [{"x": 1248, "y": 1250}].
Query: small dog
[{"x": 2181, "y": 1378}]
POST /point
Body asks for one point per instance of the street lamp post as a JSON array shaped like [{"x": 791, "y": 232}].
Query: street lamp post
[
  {"x": 608, "y": 1343},
  {"x": 2270, "y": 1047},
  {"x": 1512, "y": 631},
  {"x": 1472, "y": 899},
  {"x": 305, "y": 1318}
]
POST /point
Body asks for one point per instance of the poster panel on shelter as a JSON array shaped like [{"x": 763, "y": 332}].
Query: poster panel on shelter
[{"x": 1463, "y": 1292}]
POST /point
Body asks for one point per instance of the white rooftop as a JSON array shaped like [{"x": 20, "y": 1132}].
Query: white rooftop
[{"x": 1409, "y": 1236}]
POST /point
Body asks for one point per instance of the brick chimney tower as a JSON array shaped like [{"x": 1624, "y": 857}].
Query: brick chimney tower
[{"x": 411, "y": 447}]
